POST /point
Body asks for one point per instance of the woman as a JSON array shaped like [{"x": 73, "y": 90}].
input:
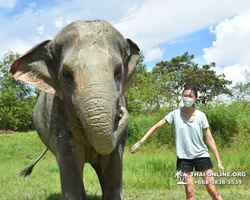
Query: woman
[{"x": 189, "y": 125}]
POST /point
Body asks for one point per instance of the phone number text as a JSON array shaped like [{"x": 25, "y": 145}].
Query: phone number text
[{"x": 219, "y": 182}]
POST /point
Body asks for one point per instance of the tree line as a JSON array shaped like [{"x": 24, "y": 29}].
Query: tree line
[
  {"x": 150, "y": 91},
  {"x": 163, "y": 85}
]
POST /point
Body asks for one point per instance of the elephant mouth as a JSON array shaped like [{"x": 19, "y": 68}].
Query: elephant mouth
[
  {"x": 119, "y": 114},
  {"x": 121, "y": 121}
]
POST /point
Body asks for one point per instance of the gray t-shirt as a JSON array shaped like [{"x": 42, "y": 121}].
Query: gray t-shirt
[{"x": 189, "y": 134}]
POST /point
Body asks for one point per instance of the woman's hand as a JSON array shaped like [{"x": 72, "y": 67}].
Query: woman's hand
[
  {"x": 136, "y": 147},
  {"x": 220, "y": 168}
]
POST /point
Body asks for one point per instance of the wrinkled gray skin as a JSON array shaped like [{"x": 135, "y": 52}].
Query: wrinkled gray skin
[{"x": 81, "y": 114}]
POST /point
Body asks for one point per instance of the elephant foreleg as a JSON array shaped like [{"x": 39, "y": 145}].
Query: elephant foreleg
[
  {"x": 111, "y": 178},
  {"x": 71, "y": 179}
]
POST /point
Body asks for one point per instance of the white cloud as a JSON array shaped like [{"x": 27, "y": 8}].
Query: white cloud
[
  {"x": 58, "y": 22},
  {"x": 159, "y": 21},
  {"x": 232, "y": 42},
  {"x": 32, "y": 4},
  {"x": 40, "y": 29},
  {"x": 7, "y": 4},
  {"x": 153, "y": 54},
  {"x": 17, "y": 46},
  {"x": 35, "y": 39},
  {"x": 235, "y": 73},
  {"x": 149, "y": 23},
  {"x": 231, "y": 49},
  {"x": 26, "y": 24}
]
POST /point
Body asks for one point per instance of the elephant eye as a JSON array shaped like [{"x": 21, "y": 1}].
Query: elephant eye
[
  {"x": 118, "y": 77},
  {"x": 52, "y": 55},
  {"x": 118, "y": 73},
  {"x": 67, "y": 74}
]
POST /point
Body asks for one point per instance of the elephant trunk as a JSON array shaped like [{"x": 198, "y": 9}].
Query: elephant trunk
[{"x": 105, "y": 122}]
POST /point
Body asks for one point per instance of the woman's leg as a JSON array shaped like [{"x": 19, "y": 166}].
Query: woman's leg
[
  {"x": 189, "y": 188},
  {"x": 211, "y": 187},
  {"x": 186, "y": 166}
]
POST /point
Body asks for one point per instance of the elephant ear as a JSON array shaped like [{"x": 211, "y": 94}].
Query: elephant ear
[
  {"x": 37, "y": 68},
  {"x": 130, "y": 65}
]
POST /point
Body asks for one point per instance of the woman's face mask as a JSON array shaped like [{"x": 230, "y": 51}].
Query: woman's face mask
[{"x": 188, "y": 102}]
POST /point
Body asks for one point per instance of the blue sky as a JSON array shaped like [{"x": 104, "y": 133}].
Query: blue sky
[
  {"x": 193, "y": 43},
  {"x": 215, "y": 31}
]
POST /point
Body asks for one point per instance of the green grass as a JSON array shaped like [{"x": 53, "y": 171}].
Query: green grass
[{"x": 148, "y": 174}]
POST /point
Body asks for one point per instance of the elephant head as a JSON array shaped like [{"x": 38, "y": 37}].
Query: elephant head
[{"x": 89, "y": 65}]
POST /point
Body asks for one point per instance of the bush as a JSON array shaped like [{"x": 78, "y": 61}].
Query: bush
[
  {"x": 15, "y": 114},
  {"x": 242, "y": 138},
  {"x": 140, "y": 124},
  {"x": 229, "y": 124},
  {"x": 223, "y": 124},
  {"x": 17, "y": 99}
]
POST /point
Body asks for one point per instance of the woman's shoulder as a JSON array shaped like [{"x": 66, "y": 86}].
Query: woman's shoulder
[
  {"x": 173, "y": 112},
  {"x": 176, "y": 110},
  {"x": 198, "y": 112}
]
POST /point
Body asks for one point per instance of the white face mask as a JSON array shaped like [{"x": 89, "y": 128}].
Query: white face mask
[{"x": 188, "y": 102}]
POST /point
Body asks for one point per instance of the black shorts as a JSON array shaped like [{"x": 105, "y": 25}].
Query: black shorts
[{"x": 200, "y": 164}]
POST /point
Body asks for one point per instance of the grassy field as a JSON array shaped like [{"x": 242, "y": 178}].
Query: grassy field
[{"x": 149, "y": 174}]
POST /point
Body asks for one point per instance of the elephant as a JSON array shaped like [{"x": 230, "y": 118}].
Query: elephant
[{"x": 81, "y": 113}]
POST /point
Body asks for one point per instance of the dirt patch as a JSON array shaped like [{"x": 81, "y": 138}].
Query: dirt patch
[{"x": 8, "y": 132}]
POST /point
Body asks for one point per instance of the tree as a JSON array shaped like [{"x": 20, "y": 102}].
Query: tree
[
  {"x": 171, "y": 75},
  {"x": 242, "y": 90},
  {"x": 208, "y": 84},
  {"x": 134, "y": 93},
  {"x": 163, "y": 86},
  {"x": 17, "y": 99},
  {"x": 181, "y": 71},
  {"x": 143, "y": 95}
]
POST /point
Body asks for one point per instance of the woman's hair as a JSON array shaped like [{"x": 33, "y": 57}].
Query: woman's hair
[{"x": 192, "y": 89}]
